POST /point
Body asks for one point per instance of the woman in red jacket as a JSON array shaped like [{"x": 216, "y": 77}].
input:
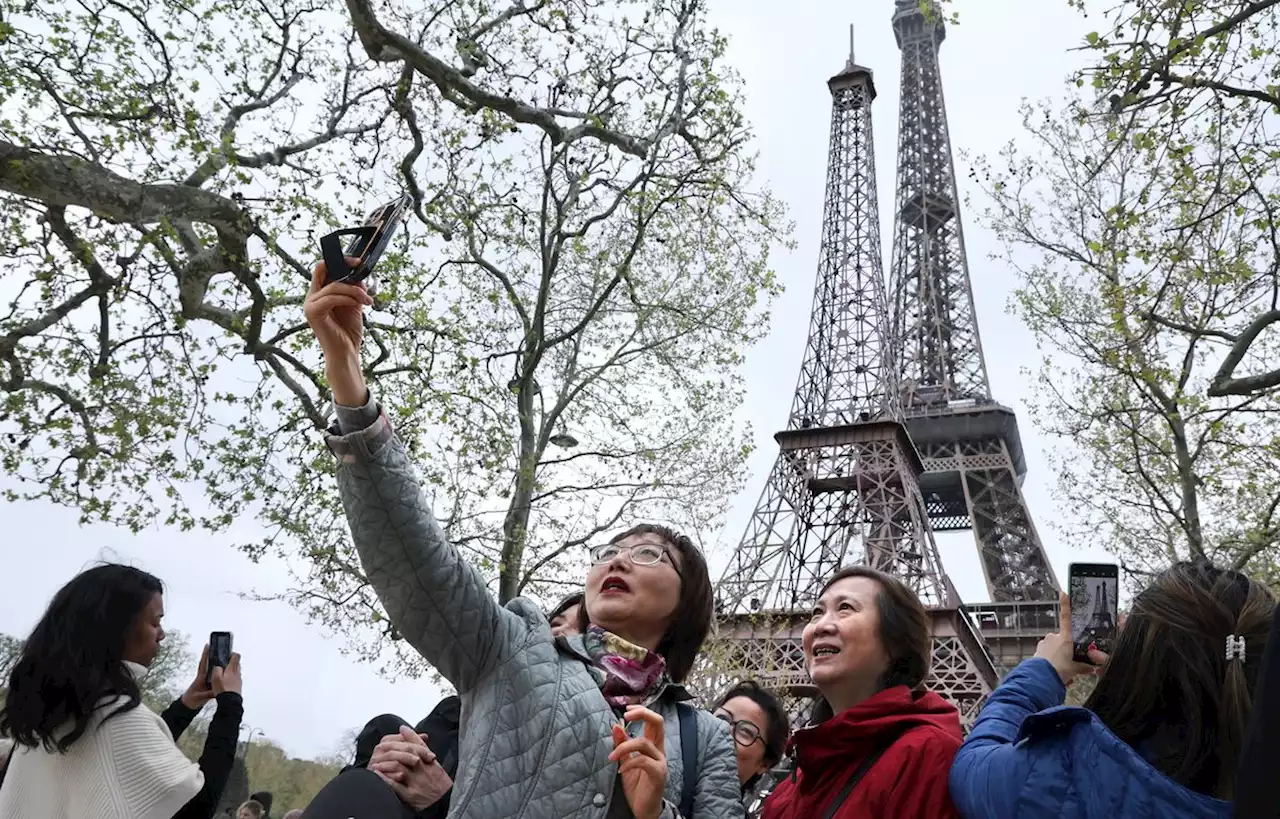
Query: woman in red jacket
[{"x": 886, "y": 751}]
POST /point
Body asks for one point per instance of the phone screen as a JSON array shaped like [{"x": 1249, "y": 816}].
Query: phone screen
[
  {"x": 219, "y": 653},
  {"x": 1095, "y": 609}
]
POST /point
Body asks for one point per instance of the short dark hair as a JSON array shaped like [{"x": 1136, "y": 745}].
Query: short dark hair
[
  {"x": 904, "y": 627},
  {"x": 74, "y": 658},
  {"x": 689, "y": 629},
  {"x": 778, "y": 731},
  {"x": 1169, "y": 685},
  {"x": 567, "y": 603}
]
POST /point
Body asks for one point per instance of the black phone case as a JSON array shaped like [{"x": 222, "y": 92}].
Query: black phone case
[
  {"x": 368, "y": 242},
  {"x": 217, "y": 659}
]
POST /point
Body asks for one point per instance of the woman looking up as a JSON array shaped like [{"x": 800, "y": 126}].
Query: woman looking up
[
  {"x": 760, "y": 728},
  {"x": 579, "y": 726},
  {"x": 886, "y": 749},
  {"x": 86, "y": 746},
  {"x": 1159, "y": 737}
]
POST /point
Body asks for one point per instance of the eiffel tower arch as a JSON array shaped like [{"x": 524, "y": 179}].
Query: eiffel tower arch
[{"x": 844, "y": 488}]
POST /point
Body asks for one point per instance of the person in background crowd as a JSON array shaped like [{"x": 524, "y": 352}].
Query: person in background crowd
[
  {"x": 412, "y": 782},
  {"x": 1159, "y": 737},
  {"x": 551, "y": 727},
  {"x": 251, "y": 810},
  {"x": 564, "y": 617},
  {"x": 760, "y": 728},
  {"x": 886, "y": 747},
  {"x": 264, "y": 799},
  {"x": 86, "y": 746}
]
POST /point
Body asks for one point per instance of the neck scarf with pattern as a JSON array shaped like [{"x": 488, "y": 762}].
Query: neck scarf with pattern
[{"x": 627, "y": 674}]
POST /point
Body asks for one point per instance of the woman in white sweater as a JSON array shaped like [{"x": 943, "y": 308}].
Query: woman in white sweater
[{"x": 84, "y": 745}]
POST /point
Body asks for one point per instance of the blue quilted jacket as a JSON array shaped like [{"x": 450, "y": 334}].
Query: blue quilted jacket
[
  {"x": 1030, "y": 757},
  {"x": 535, "y": 732}
]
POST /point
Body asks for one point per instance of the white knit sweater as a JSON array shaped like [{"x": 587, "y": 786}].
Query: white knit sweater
[{"x": 125, "y": 768}]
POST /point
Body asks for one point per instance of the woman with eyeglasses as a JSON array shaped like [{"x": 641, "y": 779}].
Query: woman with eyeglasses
[
  {"x": 586, "y": 726},
  {"x": 760, "y": 728}
]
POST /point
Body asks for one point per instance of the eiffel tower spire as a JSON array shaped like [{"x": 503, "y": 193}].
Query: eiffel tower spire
[{"x": 843, "y": 489}]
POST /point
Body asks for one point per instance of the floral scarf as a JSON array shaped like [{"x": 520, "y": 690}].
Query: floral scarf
[{"x": 626, "y": 673}]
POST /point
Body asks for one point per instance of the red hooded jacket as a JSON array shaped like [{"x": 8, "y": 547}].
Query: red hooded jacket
[{"x": 908, "y": 781}]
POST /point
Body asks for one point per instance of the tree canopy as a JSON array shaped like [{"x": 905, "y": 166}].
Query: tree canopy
[
  {"x": 556, "y": 336},
  {"x": 1140, "y": 216}
]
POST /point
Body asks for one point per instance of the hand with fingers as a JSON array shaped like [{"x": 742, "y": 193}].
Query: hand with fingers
[
  {"x": 1059, "y": 649},
  {"x": 198, "y": 693},
  {"x": 336, "y": 314},
  {"x": 406, "y": 764},
  {"x": 227, "y": 679},
  {"x": 642, "y": 762}
]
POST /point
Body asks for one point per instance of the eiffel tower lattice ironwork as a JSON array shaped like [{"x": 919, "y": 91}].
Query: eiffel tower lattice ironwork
[
  {"x": 970, "y": 445},
  {"x": 844, "y": 487}
]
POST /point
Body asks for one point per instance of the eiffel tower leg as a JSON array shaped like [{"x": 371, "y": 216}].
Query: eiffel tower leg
[{"x": 1020, "y": 578}]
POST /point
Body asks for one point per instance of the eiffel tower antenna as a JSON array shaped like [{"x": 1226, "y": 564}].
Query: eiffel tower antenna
[
  {"x": 972, "y": 451},
  {"x": 843, "y": 489}
]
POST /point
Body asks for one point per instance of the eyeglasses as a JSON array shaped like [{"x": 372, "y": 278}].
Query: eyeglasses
[
  {"x": 744, "y": 733},
  {"x": 641, "y": 554}
]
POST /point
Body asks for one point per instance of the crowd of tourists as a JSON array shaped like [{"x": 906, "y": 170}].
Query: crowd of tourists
[{"x": 583, "y": 711}]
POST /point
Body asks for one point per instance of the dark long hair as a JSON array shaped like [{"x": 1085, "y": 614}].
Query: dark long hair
[
  {"x": 1169, "y": 689},
  {"x": 74, "y": 658},
  {"x": 904, "y": 633},
  {"x": 692, "y": 623},
  {"x": 777, "y": 732}
]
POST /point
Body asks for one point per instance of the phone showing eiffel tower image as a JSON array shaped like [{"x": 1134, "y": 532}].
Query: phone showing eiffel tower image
[{"x": 1095, "y": 608}]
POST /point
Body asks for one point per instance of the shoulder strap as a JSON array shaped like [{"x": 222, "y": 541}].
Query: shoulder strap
[
  {"x": 689, "y": 751},
  {"x": 868, "y": 762}
]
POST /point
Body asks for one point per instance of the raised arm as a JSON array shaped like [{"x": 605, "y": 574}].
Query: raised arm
[
  {"x": 989, "y": 768},
  {"x": 437, "y": 601}
]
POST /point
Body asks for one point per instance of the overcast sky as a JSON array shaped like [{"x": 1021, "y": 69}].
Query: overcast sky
[{"x": 299, "y": 689}]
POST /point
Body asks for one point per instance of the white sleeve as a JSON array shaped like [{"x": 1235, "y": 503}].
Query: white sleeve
[{"x": 149, "y": 778}]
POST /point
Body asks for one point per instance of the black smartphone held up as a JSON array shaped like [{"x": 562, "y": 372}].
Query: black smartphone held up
[
  {"x": 367, "y": 244},
  {"x": 219, "y": 653},
  {"x": 1095, "y": 609}
]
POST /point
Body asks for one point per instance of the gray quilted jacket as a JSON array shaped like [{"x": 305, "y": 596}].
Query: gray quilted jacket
[{"x": 535, "y": 734}]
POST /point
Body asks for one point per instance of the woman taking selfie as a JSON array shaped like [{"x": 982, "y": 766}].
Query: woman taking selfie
[
  {"x": 886, "y": 750},
  {"x": 1159, "y": 737},
  {"x": 576, "y": 726},
  {"x": 760, "y": 728},
  {"x": 86, "y": 746}
]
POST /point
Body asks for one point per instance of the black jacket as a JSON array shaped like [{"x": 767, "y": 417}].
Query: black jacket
[
  {"x": 441, "y": 728},
  {"x": 219, "y": 750}
]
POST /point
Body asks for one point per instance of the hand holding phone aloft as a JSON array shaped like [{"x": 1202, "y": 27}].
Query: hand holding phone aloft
[{"x": 1059, "y": 649}]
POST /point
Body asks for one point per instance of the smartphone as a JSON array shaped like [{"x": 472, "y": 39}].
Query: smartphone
[
  {"x": 367, "y": 244},
  {"x": 219, "y": 653},
  {"x": 1095, "y": 609}
]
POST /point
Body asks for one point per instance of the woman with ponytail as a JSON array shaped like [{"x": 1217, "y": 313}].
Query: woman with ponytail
[{"x": 1161, "y": 734}]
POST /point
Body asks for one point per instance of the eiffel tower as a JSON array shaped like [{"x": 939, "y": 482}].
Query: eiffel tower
[
  {"x": 1100, "y": 621},
  {"x": 972, "y": 452},
  {"x": 844, "y": 487}
]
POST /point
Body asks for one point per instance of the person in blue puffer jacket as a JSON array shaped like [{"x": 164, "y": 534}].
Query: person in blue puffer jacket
[{"x": 1160, "y": 735}]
